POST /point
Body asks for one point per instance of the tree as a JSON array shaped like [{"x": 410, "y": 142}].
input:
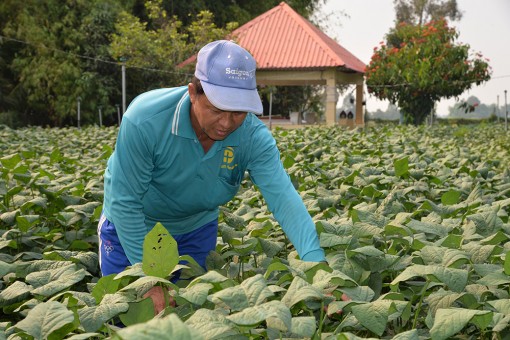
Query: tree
[
  {"x": 421, "y": 65},
  {"x": 155, "y": 47},
  {"x": 60, "y": 46},
  {"x": 58, "y": 50},
  {"x": 417, "y": 12},
  {"x": 240, "y": 11}
]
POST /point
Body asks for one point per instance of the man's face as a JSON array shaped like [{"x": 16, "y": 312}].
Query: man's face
[{"x": 215, "y": 123}]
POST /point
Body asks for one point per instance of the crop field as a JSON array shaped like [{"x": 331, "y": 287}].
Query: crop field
[{"x": 414, "y": 222}]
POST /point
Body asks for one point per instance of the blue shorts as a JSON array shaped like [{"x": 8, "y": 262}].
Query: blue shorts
[{"x": 112, "y": 258}]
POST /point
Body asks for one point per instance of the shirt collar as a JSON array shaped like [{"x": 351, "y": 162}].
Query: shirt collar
[{"x": 181, "y": 123}]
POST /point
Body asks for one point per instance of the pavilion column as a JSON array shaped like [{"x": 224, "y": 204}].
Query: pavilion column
[
  {"x": 360, "y": 119},
  {"x": 331, "y": 98}
]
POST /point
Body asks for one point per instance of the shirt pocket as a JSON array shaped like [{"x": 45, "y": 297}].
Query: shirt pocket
[{"x": 227, "y": 188}]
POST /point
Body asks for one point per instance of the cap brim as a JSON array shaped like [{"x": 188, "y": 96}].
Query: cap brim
[{"x": 233, "y": 99}]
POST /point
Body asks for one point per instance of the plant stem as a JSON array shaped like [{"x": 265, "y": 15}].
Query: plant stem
[
  {"x": 318, "y": 333},
  {"x": 417, "y": 313},
  {"x": 166, "y": 295}
]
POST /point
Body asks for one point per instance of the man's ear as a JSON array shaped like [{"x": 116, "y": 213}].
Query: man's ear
[{"x": 192, "y": 92}]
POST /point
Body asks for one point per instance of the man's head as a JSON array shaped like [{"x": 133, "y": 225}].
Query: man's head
[{"x": 227, "y": 74}]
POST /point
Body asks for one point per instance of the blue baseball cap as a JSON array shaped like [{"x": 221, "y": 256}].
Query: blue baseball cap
[{"x": 227, "y": 74}]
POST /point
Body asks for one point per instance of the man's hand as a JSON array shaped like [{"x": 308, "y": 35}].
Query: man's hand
[{"x": 157, "y": 294}]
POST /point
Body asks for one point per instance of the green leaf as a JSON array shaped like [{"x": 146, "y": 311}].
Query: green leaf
[
  {"x": 324, "y": 280},
  {"x": 212, "y": 277},
  {"x": 486, "y": 223},
  {"x": 93, "y": 318},
  {"x": 83, "y": 336},
  {"x": 401, "y": 166},
  {"x": 233, "y": 298},
  {"x": 192, "y": 270},
  {"x": 251, "y": 292},
  {"x": 451, "y": 321},
  {"x": 10, "y": 161},
  {"x": 143, "y": 284},
  {"x": 328, "y": 240},
  {"x": 274, "y": 310},
  {"x": 16, "y": 292},
  {"x": 197, "y": 293},
  {"x": 9, "y": 217},
  {"x": 288, "y": 161},
  {"x": 301, "y": 290},
  {"x": 131, "y": 271},
  {"x": 270, "y": 248},
  {"x": 445, "y": 256},
  {"x": 138, "y": 312},
  {"x": 6, "y": 268},
  {"x": 256, "y": 290},
  {"x": 212, "y": 324},
  {"x": 160, "y": 253},
  {"x": 456, "y": 279},
  {"x": 51, "y": 281},
  {"x": 168, "y": 327},
  {"x": 506, "y": 265},
  {"x": 48, "y": 320},
  {"x": 409, "y": 335},
  {"x": 494, "y": 279},
  {"x": 25, "y": 222},
  {"x": 369, "y": 251},
  {"x": 502, "y": 305},
  {"x": 232, "y": 220},
  {"x": 442, "y": 299},
  {"x": 105, "y": 285},
  {"x": 374, "y": 315},
  {"x": 429, "y": 228},
  {"x": 361, "y": 293},
  {"x": 304, "y": 326},
  {"x": 450, "y": 197}
]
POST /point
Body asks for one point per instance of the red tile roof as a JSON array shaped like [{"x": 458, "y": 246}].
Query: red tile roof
[{"x": 282, "y": 39}]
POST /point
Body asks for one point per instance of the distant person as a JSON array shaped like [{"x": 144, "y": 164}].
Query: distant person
[{"x": 182, "y": 152}]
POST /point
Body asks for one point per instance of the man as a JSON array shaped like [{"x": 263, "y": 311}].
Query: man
[{"x": 182, "y": 152}]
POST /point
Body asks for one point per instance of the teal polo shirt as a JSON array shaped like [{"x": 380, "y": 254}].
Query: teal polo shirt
[{"x": 160, "y": 173}]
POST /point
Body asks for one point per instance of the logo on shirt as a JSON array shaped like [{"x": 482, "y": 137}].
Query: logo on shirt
[{"x": 228, "y": 159}]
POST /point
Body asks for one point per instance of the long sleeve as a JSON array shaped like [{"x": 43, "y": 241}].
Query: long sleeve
[
  {"x": 267, "y": 172},
  {"x": 127, "y": 179}
]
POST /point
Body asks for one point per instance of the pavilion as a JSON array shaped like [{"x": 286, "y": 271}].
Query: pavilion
[{"x": 290, "y": 50}]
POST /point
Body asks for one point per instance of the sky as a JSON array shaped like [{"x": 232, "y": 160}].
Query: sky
[{"x": 485, "y": 26}]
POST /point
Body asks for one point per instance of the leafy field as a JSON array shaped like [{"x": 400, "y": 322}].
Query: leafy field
[{"x": 414, "y": 222}]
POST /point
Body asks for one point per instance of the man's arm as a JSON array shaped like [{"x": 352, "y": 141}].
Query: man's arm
[
  {"x": 126, "y": 181},
  {"x": 267, "y": 172}
]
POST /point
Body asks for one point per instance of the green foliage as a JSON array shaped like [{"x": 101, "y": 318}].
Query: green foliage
[
  {"x": 226, "y": 11},
  {"x": 419, "y": 65},
  {"x": 48, "y": 71},
  {"x": 161, "y": 43},
  {"x": 58, "y": 51},
  {"x": 160, "y": 254},
  {"x": 414, "y": 222}
]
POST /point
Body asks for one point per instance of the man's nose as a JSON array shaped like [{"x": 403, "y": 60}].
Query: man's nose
[{"x": 226, "y": 119}]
